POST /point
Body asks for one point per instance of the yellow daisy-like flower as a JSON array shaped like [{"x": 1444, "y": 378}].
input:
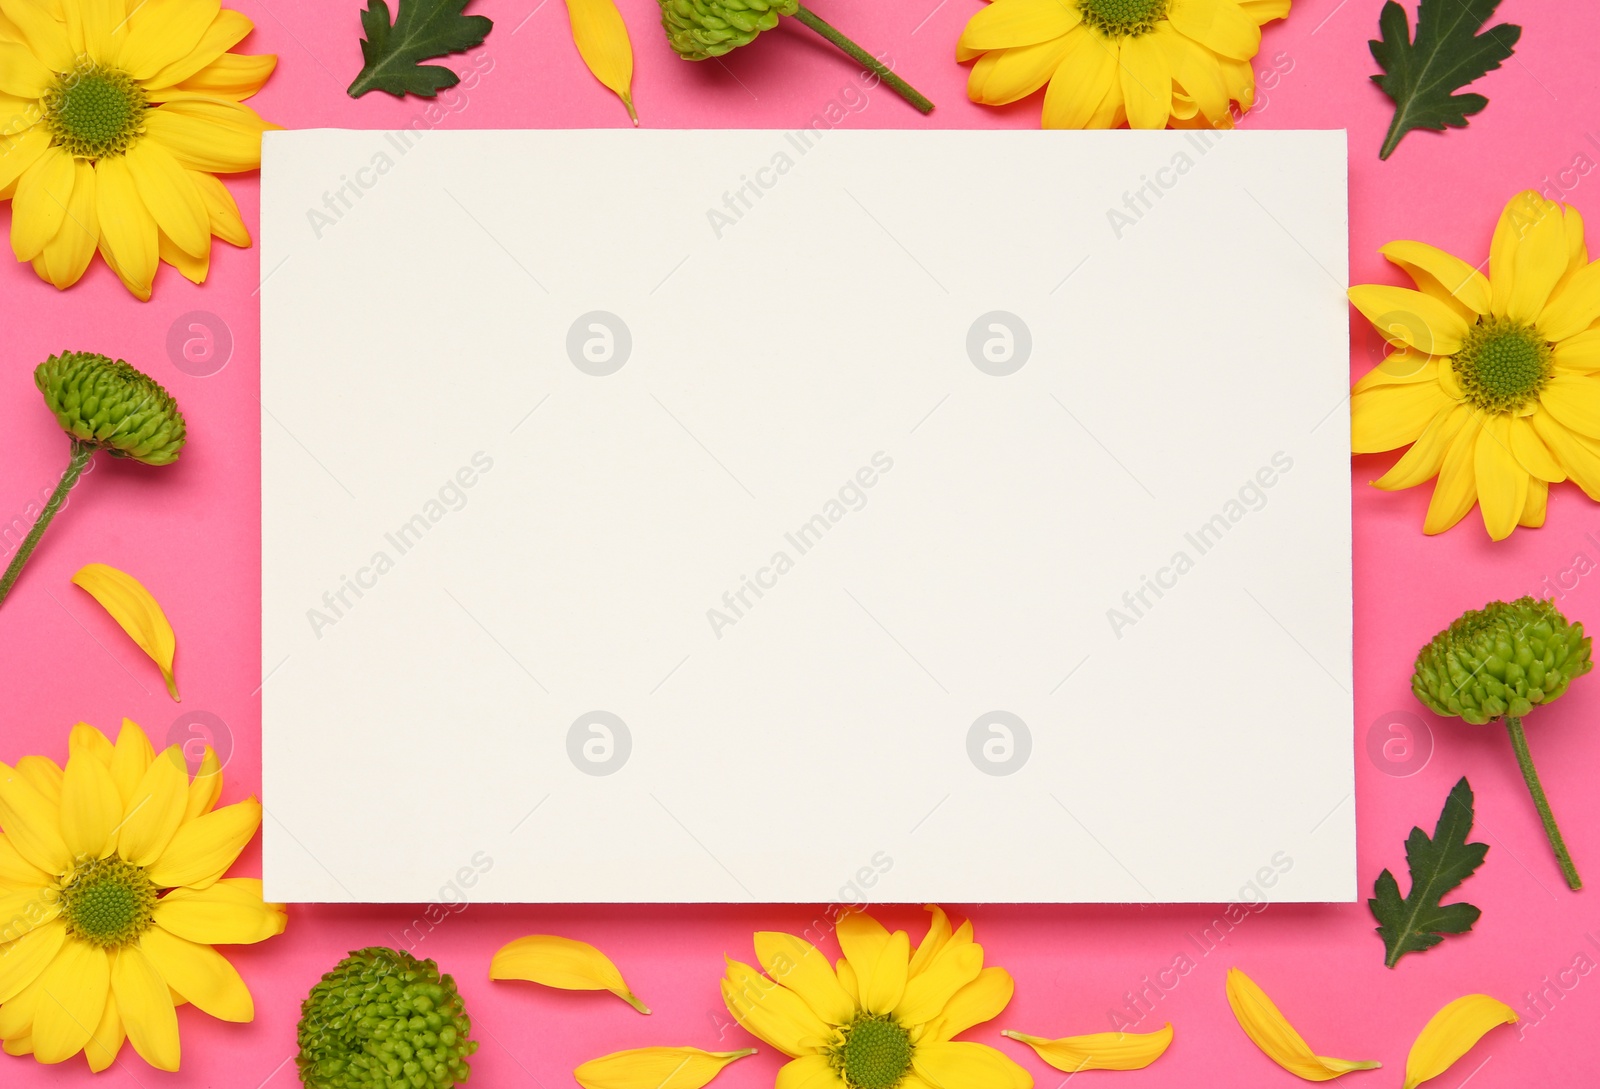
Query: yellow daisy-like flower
[
  {"x": 115, "y": 117},
  {"x": 1145, "y": 63},
  {"x": 885, "y": 1018},
  {"x": 1494, "y": 381},
  {"x": 111, "y": 893}
]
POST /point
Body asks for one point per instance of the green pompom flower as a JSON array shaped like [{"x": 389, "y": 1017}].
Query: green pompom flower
[
  {"x": 702, "y": 29},
  {"x": 381, "y": 1019},
  {"x": 1498, "y": 662},
  {"x": 102, "y": 404}
]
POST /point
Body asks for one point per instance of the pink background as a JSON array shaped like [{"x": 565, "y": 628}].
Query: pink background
[{"x": 192, "y": 534}]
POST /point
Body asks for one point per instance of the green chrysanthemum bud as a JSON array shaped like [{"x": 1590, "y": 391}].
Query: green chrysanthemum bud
[
  {"x": 112, "y": 406},
  {"x": 381, "y": 1019},
  {"x": 702, "y": 29},
  {"x": 1497, "y": 662},
  {"x": 1501, "y": 660}
]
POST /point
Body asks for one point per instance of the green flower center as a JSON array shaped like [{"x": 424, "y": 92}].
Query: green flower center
[
  {"x": 1122, "y": 18},
  {"x": 875, "y": 1053},
  {"x": 94, "y": 111},
  {"x": 107, "y": 902},
  {"x": 1503, "y": 365}
]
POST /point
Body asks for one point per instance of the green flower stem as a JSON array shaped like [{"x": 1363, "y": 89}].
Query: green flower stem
[
  {"x": 81, "y": 455},
  {"x": 865, "y": 59},
  {"x": 1519, "y": 743}
]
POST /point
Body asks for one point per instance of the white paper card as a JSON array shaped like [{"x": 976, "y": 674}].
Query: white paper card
[{"x": 806, "y": 517}]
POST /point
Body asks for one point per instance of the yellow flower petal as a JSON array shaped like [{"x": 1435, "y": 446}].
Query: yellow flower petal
[
  {"x": 1574, "y": 306},
  {"x": 227, "y": 30},
  {"x": 24, "y": 960},
  {"x": 1009, "y": 75},
  {"x": 656, "y": 1068},
  {"x": 24, "y": 910},
  {"x": 1450, "y": 1034},
  {"x": 194, "y": 269},
  {"x": 1456, "y": 489},
  {"x": 1006, "y": 24},
  {"x": 68, "y": 253},
  {"x": 232, "y": 76},
  {"x": 1533, "y": 511},
  {"x": 44, "y": 775},
  {"x": 1391, "y": 416},
  {"x": 561, "y": 962},
  {"x": 1578, "y": 458},
  {"x": 163, "y": 31},
  {"x": 200, "y": 974},
  {"x": 166, "y": 190},
  {"x": 1501, "y": 482},
  {"x": 772, "y": 1012},
  {"x": 1531, "y": 452},
  {"x": 881, "y": 960},
  {"x": 977, "y": 1002},
  {"x": 202, "y": 849},
  {"x": 1404, "y": 316},
  {"x": 1218, "y": 25},
  {"x": 1264, "y": 11},
  {"x": 1442, "y": 275},
  {"x": 1196, "y": 70},
  {"x": 74, "y": 987},
  {"x": 127, "y": 230},
  {"x": 226, "y": 223},
  {"x": 1579, "y": 353},
  {"x": 134, "y": 608},
  {"x": 209, "y": 134},
  {"x": 16, "y": 1013},
  {"x": 130, "y": 758},
  {"x": 951, "y": 1065},
  {"x": 1574, "y": 402},
  {"x": 1538, "y": 261},
  {"x": 1400, "y": 367},
  {"x": 933, "y": 941},
  {"x": 1146, "y": 82},
  {"x": 106, "y": 1041},
  {"x": 16, "y": 872},
  {"x": 206, "y": 787},
  {"x": 32, "y": 823},
  {"x": 804, "y": 969},
  {"x": 1277, "y": 1039},
  {"x": 1086, "y": 74},
  {"x": 156, "y": 809},
  {"x": 43, "y": 33},
  {"x": 602, "y": 40},
  {"x": 230, "y": 912},
  {"x": 1422, "y": 461},
  {"x": 97, "y": 28},
  {"x": 91, "y": 807},
  {"x": 18, "y": 114},
  {"x": 145, "y": 1002},
  {"x": 927, "y": 994},
  {"x": 1100, "y": 1050},
  {"x": 21, "y": 73},
  {"x": 40, "y": 203},
  {"x": 809, "y": 1072}
]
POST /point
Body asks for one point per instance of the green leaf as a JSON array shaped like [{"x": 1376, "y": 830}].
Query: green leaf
[
  {"x": 423, "y": 30},
  {"x": 1448, "y": 53},
  {"x": 1418, "y": 921}
]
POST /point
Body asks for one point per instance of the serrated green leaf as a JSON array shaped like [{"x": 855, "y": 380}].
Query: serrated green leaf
[
  {"x": 1422, "y": 75},
  {"x": 1438, "y": 864},
  {"x": 423, "y": 30}
]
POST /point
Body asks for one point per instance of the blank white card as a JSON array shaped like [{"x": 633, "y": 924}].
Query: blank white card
[{"x": 817, "y": 516}]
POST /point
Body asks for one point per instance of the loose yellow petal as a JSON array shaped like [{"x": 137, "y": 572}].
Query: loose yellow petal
[
  {"x": 1277, "y": 1039},
  {"x": 656, "y": 1068},
  {"x": 1451, "y": 1033},
  {"x": 231, "y": 912},
  {"x": 561, "y": 962},
  {"x": 1099, "y": 1050},
  {"x": 602, "y": 40},
  {"x": 136, "y": 611},
  {"x": 772, "y": 1012}
]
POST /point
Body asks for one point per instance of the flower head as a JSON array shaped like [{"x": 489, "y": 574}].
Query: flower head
[
  {"x": 383, "y": 1018},
  {"x": 1500, "y": 660},
  {"x": 112, "y": 406},
  {"x": 1493, "y": 381},
  {"x": 702, "y": 29},
  {"x": 884, "y": 1017},
  {"x": 115, "y": 116},
  {"x": 111, "y": 895},
  {"x": 1144, "y": 63}
]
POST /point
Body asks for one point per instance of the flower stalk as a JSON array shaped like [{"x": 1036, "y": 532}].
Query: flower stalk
[
  {"x": 899, "y": 86},
  {"x": 1530, "y": 775},
  {"x": 82, "y": 454}
]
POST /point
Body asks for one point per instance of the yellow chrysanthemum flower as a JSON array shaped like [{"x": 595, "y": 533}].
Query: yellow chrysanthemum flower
[
  {"x": 1495, "y": 380},
  {"x": 885, "y": 1018},
  {"x": 111, "y": 893},
  {"x": 1145, "y": 63},
  {"x": 115, "y": 115}
]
